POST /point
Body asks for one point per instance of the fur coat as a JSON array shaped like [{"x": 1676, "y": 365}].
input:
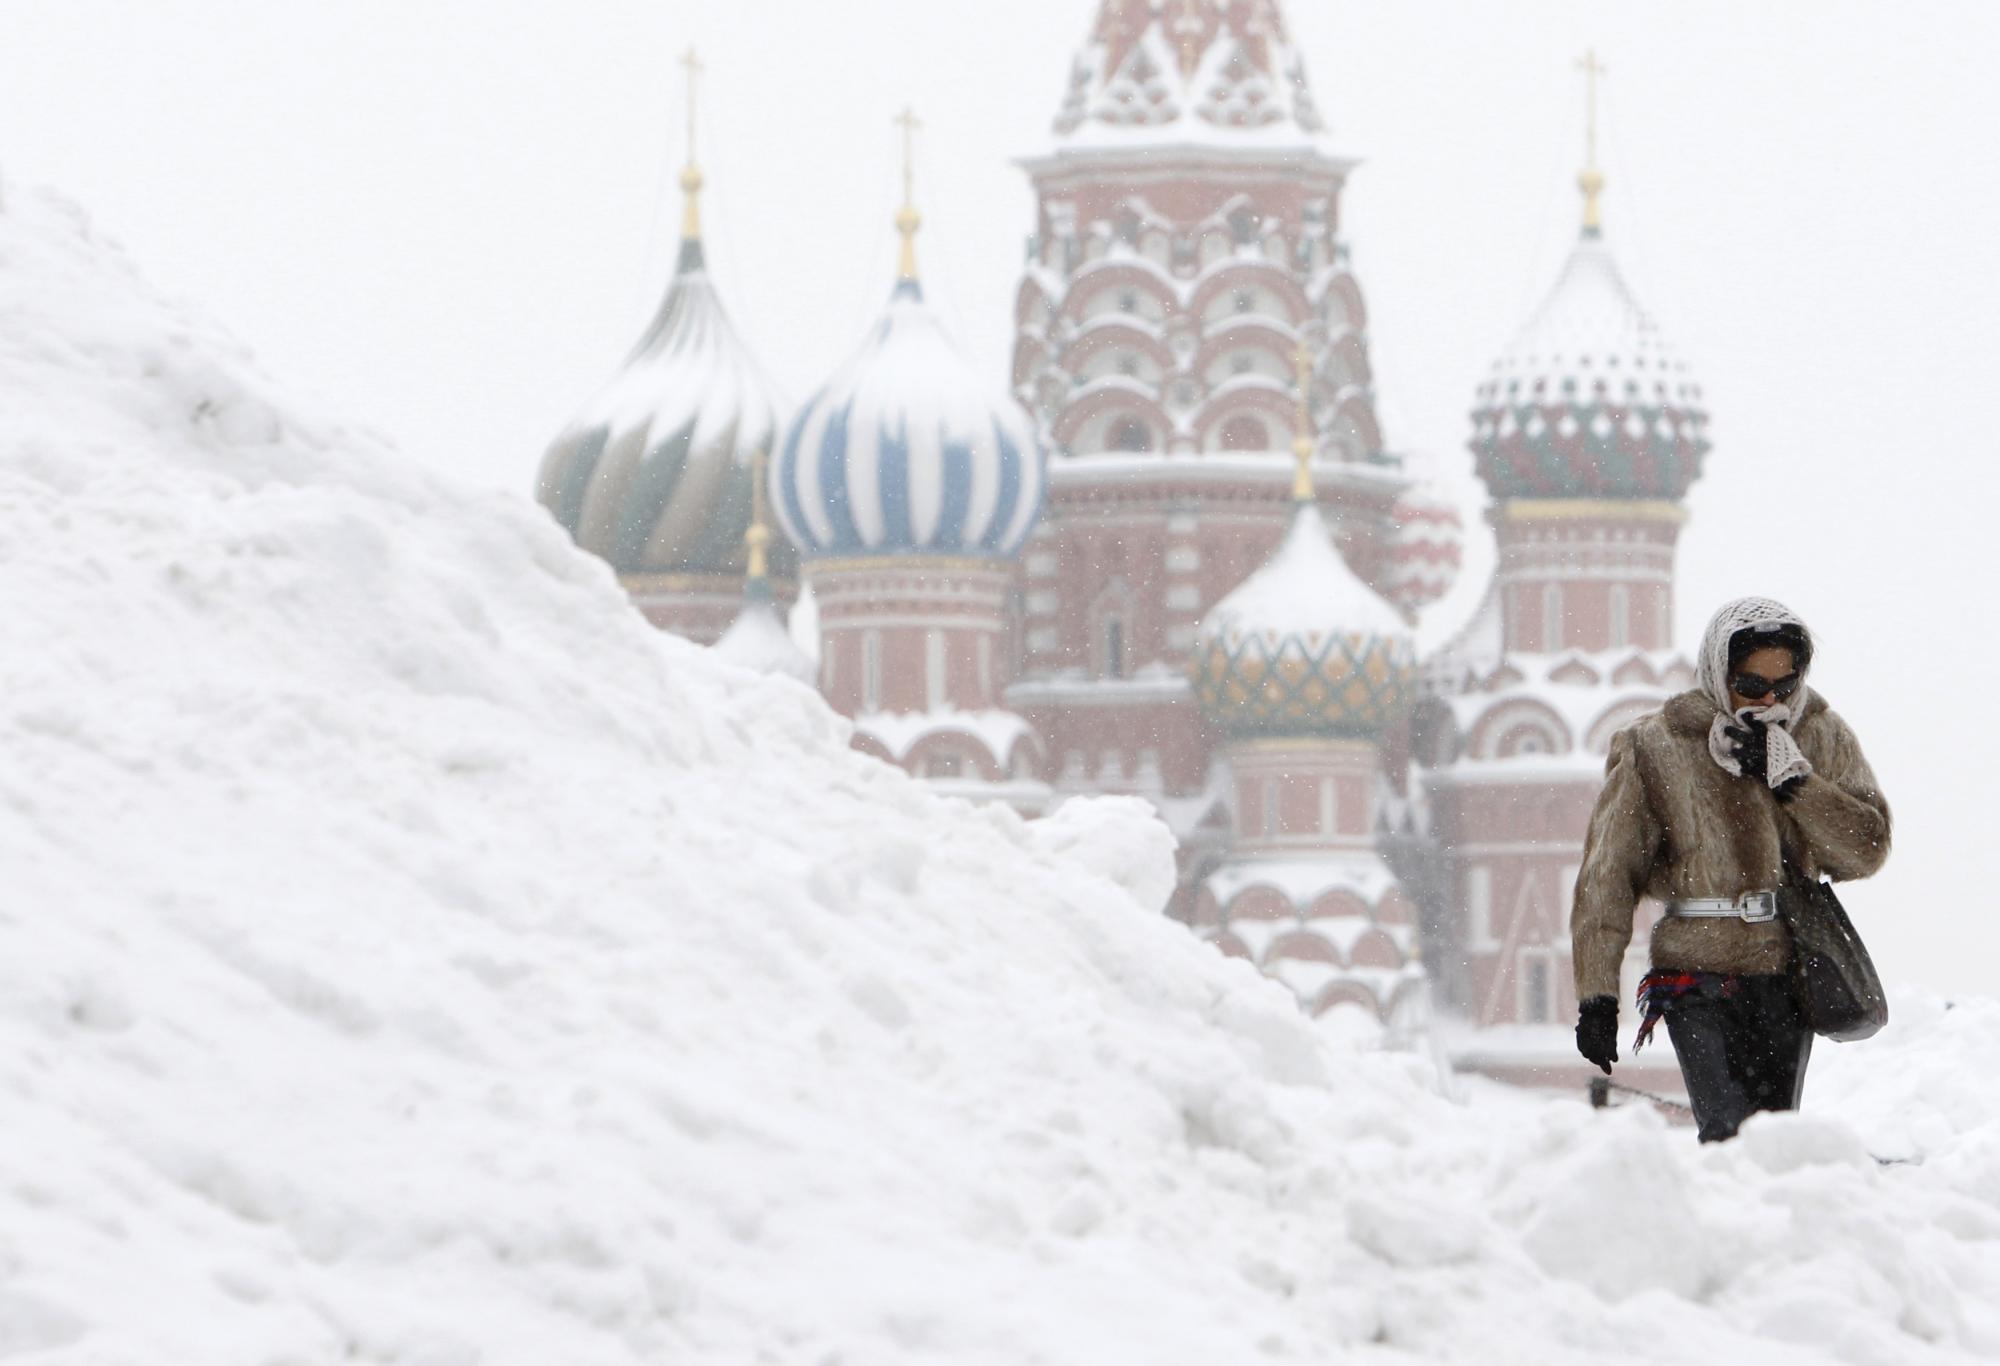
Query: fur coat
[{"x": 1670, "y": 822}]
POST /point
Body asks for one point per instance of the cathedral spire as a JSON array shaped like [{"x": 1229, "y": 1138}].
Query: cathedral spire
[
  {"x": 1590, "y": 180},
  {"x": 691, "y": 179},
  {"x": 908, "y": 220},
  {"x": 757, "y": 540},
  {"x": 1302, "y": 438}
]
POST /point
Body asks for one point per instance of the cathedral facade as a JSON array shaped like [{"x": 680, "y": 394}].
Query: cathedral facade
[{"x": 1173, "y": 554}]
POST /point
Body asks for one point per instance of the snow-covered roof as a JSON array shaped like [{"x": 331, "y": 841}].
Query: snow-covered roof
[
  {"x": 1303, "y": 645},
  {"x": 908, "y": 449},
  {"x": 1152, "y": 682},
  {"x": 1560, "y": 708},
  {"x": 758, "y": 640},
  {"x": 1303, "y": 880},
  {"x": 1305, "y": 588},
  {"x": 900, "y": 732},
  {"x": 654, "y": 474},
  {"x": 1589, "y": 400}
]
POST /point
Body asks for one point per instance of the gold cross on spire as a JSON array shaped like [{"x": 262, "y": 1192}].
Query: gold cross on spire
[
  {"x": 1591, "y": 180},
  {"x": 1302, "y": 437},
  {"x": 758, "y": 537},
  {"x": 691, "y": 174},
  {"x": 908, "y": 220}
]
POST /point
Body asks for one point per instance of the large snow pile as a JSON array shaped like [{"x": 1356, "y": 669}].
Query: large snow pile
[{"x": 408, "y": 956}]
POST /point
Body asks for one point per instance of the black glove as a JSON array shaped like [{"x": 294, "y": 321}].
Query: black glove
[
  {"x": 1789, "y": 788},
  {"x": 1748, "y": 745},
  {"x": 1597, "y": 1031}
]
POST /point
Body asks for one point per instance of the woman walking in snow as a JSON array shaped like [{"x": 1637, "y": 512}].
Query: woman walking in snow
[{"x": 1711, "y": 805}]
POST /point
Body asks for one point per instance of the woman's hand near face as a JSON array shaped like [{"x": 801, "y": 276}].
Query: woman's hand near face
[{"x": 1751, "y": 748}]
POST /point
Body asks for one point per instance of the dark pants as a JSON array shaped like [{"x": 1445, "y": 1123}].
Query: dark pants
[{"x": 1739, "y": 1052}]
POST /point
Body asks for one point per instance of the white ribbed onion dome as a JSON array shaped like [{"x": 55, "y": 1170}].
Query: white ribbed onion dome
[
  {"x": 655, "y": 473},
  {"x": 1303, "y": 646},
  {"x": 1589, "y": 401},
  {"x": 908, "y": 450},
  {"x": 1426, "y": 547}
]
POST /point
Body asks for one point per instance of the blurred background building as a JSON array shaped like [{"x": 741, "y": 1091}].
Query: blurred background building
[{"x": 1174, "y": 554}]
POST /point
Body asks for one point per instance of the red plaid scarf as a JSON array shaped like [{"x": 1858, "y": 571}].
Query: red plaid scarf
[{"x": 1662, "y": 987}]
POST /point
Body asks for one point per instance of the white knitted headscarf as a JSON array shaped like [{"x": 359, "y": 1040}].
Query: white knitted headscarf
[{"x": 1711, "y": 675}]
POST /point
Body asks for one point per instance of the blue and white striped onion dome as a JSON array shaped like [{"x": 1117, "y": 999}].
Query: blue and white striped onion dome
[
  {"x": 908, "y": 451},
  {"x": 1303, "y": 646},
  {"x": 655, "y": 474}
]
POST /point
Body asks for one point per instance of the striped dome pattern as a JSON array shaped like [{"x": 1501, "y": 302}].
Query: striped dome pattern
[
  {"x": 1425, "y": 549},
  {"x": 655, "y": 473},
  {"x": 907, "y": 451}
]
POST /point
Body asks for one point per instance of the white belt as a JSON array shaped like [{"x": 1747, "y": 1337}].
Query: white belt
[{"x": 1752, "y": 907}]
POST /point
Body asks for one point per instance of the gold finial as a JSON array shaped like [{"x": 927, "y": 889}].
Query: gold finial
[
  {"x": 1302, "y": 438},
  {"x": 758, "y": 537},
  {"x": 691, "y": 174},
  {"x": 908, "y": 220},
  {"x": 1591, "y": 180}
]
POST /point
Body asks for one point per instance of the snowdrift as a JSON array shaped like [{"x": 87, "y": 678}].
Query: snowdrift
[{"x": 407, "y": 956}]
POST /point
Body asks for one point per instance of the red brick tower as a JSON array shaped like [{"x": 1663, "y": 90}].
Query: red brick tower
[
  {"x": 1186, "y": 244},
  {"x": 1587, "y": 433},
  {"x": 1303, "y": 667}
]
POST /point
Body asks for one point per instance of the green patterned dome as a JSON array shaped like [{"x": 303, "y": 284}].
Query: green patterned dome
[
  {"x": 1303, "y": 646},
  {"x": 1589, "y": 401}
]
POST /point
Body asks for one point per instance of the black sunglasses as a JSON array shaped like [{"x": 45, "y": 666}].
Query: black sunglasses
[{"x": 1756, "y": 686}]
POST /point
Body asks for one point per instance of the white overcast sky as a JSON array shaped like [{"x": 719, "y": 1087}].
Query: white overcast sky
[{"x": 448, "y": 219}]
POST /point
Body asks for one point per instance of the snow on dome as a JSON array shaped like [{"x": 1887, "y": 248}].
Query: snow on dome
[
  {"x": 654, "y": 474},
  {"x": 1425, "y": 549},
  {"x": 908, "y": 450},
  {"x": 1589, "y": 401},
  {"x": 759, "y": 640},
  {"x": 410, "y": 956},
  {"x": 1303, "y": 645},
  {"x": 1189, "y": 71}
]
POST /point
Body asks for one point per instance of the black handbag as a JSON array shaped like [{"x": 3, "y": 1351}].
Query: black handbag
[{"x": 1833, "y": 977}]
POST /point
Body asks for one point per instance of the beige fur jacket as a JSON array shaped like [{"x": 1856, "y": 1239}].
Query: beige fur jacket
[{"x": 1671, "y": 822}]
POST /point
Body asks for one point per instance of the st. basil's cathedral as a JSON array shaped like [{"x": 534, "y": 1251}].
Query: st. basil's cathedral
[{"x": 1172, "y": 554}]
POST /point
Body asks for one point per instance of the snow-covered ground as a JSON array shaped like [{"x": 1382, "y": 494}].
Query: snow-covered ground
[{"x": 408, "y": 956}]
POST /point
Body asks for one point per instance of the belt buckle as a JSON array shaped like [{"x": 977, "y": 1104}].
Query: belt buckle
[{"x": 1757, "y": 907}]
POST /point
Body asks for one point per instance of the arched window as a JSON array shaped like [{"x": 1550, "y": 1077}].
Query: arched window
[
  {"x": 1114, "y": 646},
  {"x": 1245, "y": 433},
  {"x": 1130, "y": 434},
  {"x": 1552, "y": 617},
  {"x": 1270, "y": 805}
]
